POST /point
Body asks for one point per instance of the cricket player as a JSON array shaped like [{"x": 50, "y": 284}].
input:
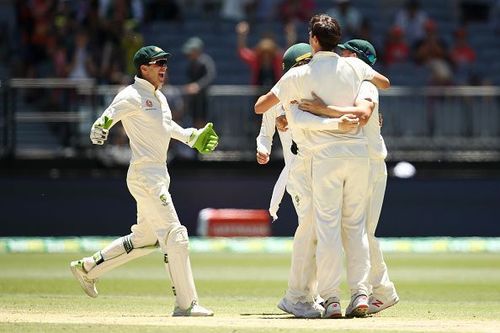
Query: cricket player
[
  {"x": 147, "y": 120},
  {"x": 383, "y": 292},
  {"x": 296, "y": 55},
  {"x": 335, "y": 168}
]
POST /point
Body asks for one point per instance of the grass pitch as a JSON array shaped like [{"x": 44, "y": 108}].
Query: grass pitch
[{"x": 439, "y": 293}]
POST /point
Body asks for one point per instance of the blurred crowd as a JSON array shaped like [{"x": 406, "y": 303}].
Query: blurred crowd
[{"x": 96, "y": 39}]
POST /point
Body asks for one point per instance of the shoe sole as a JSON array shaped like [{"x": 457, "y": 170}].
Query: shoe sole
[
  {"x": 81, "y": 282},
  {"x": 359, "y": 312},
  {"x": 334, "y": 316},
  {"x": 382, "y": 309}
]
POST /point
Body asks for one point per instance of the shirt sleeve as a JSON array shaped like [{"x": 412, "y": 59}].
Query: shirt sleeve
[
  {"x": 267, "y": 130},
  {"x": 368, "y": 91},
  {"x": 119, "y": 109},
  {"x": 363, "y": 70},
  {"x": 181, "y": 134},
  {"x": 284, "y": 88}
]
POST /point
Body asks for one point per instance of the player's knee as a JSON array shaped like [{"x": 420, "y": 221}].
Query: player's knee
[
  {"x": 142, "y": 240},
  {"x": 177, "y": 239}
]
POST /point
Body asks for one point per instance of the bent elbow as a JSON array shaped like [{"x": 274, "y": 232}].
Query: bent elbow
[{"x": 258, "y": 108}]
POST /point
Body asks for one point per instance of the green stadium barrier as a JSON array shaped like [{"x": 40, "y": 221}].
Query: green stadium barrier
[{"x": 250, "y": 245}]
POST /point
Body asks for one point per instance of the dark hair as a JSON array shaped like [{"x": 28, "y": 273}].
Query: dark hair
[{"x": 326, "y": 29}]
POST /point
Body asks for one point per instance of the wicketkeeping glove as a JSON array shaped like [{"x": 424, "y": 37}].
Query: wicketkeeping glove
[
  {"x": 100, "y": 129},
  {"x": 204, "y": 139}
]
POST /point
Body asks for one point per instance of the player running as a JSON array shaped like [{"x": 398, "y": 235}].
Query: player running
[{"x": 147, "y": 119}]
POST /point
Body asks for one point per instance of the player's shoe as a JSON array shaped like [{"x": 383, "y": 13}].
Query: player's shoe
[
  {"x": 195, "y": 310},
  {"x": 377, "y": 303},
  {"x": 88, "y": 285},
  {"x": 301, "y": 309},
  {"x": 358, "y": 306},
  {"x": 332, "y": 308}
]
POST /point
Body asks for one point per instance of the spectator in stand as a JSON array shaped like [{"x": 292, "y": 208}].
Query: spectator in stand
[
  {"x": 201, "y": 73},
  {"x": 349, "y": 18},
  {"x": 431, "y": 46},
  {"x": 264, "y": 60},
  {"x": 82, "y": 64},
  {"x": 462, "y": 53},
  {"x": 412, "y": 20},
  {"x": 463, "y": 56},
  {"x": 432, "y": 51},
  {"x": 395, "y": 50},
  {"x": 296, "y": 10}
]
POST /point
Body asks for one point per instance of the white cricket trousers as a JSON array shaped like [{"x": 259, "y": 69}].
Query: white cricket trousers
[
  {"x": 378, "y": 278},
  {"x": 302, "y": 283},
  {"x": 339, "y": 191},
  {"x": 156, "y": 215}
]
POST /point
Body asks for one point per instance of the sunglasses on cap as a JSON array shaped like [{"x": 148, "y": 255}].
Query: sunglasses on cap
[{"x": 159, "y": 62}]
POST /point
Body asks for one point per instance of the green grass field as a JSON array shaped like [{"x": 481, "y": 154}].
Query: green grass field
[{"x": 439, "y": 293}]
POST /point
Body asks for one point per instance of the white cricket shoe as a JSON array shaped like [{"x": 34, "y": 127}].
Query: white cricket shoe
[
  {"x": 358, "y": 306},
  {"x": 301, "y": 309},
  {"x": 88, "y": 285},
  {"x": 332, "y": 308},
  {"x": 377, "y": 303},
  {"x": 194, "y": 310}
]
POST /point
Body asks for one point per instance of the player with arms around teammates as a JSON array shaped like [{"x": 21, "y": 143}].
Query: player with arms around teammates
[
  {"x": 335, "y": 178},
  {"x": 366, "y": 107},
  {"x": 147, "y": 120},
  {"x": 291, "y": 175}
]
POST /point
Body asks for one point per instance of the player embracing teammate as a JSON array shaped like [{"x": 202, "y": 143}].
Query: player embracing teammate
[{"x": 333, "y": 178}]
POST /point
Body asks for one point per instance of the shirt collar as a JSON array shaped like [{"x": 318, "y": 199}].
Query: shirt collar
[
  {"x": 322, "y": 54},
  {"x": 145, "y": 84}
]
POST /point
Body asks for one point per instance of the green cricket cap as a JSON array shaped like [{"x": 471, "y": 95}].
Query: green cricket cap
[
  {"x": 362, "y": 48},
  {"x": 295, "y": 54},
  {"x": 148, "y": 53}
]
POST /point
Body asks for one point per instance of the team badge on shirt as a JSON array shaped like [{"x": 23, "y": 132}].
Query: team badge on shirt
[
  {"x": 149, "y": 103},
  {"x": 163, "y": 199}
]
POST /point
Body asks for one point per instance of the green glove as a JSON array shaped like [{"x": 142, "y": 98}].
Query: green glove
[
  {"x": 205, "y": 139},
  {"x": 107, "y": 122}
]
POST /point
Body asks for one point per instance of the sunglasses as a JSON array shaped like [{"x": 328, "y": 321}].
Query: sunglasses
[{"x": 159, "y": 62}]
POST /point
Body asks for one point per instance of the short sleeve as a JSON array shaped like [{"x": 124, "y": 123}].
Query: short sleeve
[{"x": 368, "y": 91}]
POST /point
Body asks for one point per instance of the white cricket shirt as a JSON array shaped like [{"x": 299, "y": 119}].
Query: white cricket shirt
[
  {"x": 267, "y": 130},
  {"x": 376, "y": 144},
  {"x": 336, "y": 81},
  {"x": 147, "y": 120}
]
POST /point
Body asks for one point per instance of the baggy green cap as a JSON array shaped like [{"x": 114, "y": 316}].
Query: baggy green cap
[
  {"x": 295, "y": 54},
  {"x": 147, "y": 53},
  {"x": 362, "y": 48}
]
